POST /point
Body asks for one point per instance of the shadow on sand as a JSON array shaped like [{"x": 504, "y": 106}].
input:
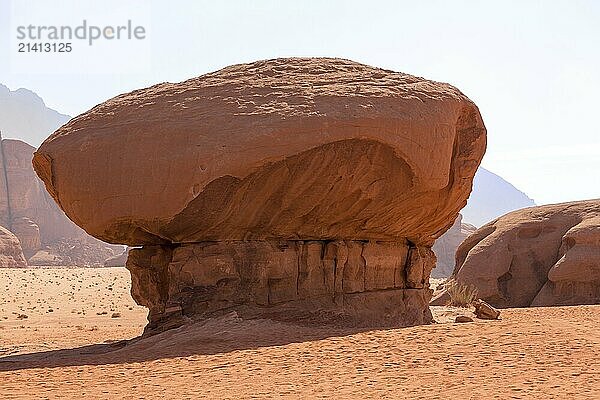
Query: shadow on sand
[{"x": 204, "y": 338}]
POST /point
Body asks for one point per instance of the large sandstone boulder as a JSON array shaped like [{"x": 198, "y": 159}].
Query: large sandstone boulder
[
  {"x": 445, "y": 247},
  {"x": 313, "y": 184},
  {"x": 539, "y": 256},
  {"x": 11, "y": 254}
]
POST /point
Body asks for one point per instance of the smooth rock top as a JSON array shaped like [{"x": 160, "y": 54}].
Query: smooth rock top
[
  {"x": 538, "y": 256},
  {"x": 295, "y": 148}
]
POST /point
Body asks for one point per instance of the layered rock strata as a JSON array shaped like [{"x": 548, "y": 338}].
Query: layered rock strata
[{"x": 295, "y": 280}]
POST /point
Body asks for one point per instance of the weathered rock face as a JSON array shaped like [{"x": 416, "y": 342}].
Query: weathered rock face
[
  {"x": 31, "y": 214},
  {"x": 445, "y": 247},
  {"x": 293, "y": 278},
  {"x": 539, "y": 256},
  {"x": 273, "y": 185},
  {"x": 11, "y": 254}
]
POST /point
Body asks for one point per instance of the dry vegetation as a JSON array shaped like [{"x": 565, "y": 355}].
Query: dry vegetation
[{"x": 461, "y": 295}]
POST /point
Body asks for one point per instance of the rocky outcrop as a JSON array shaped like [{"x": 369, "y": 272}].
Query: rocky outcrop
[
  {"x": 28, "y": 233},
  {"x": 306, "y": 185},
  {"x": 539, "y": 256},
  {"x": 286, "y": 280},
  {"x": 11, "y": 254},
  {"x": 445, "y": 247},
  {"x": 24, "y": 115},
  {"x": 27, "y": 210}
]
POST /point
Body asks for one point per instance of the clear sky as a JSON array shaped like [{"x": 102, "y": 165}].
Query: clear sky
[{"x": 532, "y": 67}]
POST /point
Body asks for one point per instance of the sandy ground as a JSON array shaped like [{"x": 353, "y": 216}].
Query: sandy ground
[{"x": 77, "y": 350}]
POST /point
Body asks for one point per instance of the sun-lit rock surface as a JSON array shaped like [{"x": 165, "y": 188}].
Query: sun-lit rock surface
[
  {"x": 47, "y": 236},
  {"x": 538, "y": 256}
]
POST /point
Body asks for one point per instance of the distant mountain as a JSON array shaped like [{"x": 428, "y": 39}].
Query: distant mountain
[
  {"x": 24, "y": 116},
  {"x": 492, "y": 197}
]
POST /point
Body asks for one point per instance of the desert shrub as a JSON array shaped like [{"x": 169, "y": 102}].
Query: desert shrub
[{"x": 460, "y": 295}]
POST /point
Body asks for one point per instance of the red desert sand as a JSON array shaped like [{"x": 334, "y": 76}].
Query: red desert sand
[{"x": 77, "y": 350}]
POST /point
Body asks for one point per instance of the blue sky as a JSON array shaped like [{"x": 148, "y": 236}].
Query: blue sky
[{"x": 532, "y": 67}]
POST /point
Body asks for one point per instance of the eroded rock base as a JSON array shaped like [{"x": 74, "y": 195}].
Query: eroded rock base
[{"x": 357, "y": 283}]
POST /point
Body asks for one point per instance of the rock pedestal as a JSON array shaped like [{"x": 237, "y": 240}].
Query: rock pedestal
[{"x": 379, "y": 283}]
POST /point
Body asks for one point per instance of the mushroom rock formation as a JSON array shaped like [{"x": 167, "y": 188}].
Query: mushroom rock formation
[
  {"x": 294, "y": 188},
  {"x": 11, "y": 254},
  {"x": 539, "y": 256},
  {"x": 445, "y": 247}
]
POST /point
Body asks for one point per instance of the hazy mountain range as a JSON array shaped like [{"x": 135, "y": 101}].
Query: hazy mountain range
[
  {"x": 24, "y": 116},
  {"x": 492, "y": 196}
]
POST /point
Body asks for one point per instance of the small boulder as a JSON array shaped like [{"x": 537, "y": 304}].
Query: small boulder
[
  {"x": 484, "y": 311},
  {"x": 463, "y": 318}
]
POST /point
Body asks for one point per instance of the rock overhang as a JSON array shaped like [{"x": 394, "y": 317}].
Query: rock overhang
[{"x": 234, "y": 122}]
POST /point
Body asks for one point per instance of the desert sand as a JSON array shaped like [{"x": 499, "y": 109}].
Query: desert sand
[{"x": 73, "y": 351}]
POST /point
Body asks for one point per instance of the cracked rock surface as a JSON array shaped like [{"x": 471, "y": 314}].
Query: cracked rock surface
[{"x": 298, "y": 188}]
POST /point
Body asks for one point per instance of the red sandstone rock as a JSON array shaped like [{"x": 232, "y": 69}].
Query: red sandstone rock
[
  {"x": 11, "y": 254},
  {"x": 280, "y": 183},
  {"x": 539, "y": 256},
  {"x": 485, "y": 311},
  {"x": 287, "y": 148},
  {"x": 462, "y": 319},
  {"x": 23, "y": 195}
]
